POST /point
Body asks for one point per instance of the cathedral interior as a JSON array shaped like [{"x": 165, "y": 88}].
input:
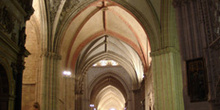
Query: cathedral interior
[{"x": 109, "y": 55}]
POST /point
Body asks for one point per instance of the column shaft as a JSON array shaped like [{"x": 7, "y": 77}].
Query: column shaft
[{"x": 167, "y": 80}]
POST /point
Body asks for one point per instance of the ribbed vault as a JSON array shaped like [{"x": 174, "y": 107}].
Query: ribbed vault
[
  {"x": 108, "y": 47},
  {"x": 105, "y": 30}
]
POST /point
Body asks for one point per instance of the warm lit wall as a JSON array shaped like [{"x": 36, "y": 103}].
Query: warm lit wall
[
  {"x": 31, "y": 75},
  {"x": 31, "y": 72}
]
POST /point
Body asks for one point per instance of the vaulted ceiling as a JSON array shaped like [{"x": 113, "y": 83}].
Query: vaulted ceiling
[
  {"x": 102, "y": 30},
  {"x": 108, "y": 47},
  {"x": 105, "y": 30},
  {"x": 106, "y": 25}
]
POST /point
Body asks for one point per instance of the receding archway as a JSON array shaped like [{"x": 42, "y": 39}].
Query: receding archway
[
  {"x": 108, "y": 86},
  {"x": 110, "y": 98}
]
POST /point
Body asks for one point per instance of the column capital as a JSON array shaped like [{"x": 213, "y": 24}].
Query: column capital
[
  {"x": 164, "y": 51},
  {"x": 179, "y": 3},
  {"x": 53, "y": 55}
]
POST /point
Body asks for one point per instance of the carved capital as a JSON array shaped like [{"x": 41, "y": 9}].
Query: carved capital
[
  {"x": 52, "y": 55},
  {"x": 164, "y": 51}
]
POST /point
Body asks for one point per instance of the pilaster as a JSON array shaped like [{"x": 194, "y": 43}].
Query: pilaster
[{"x": 167, "y": 79}]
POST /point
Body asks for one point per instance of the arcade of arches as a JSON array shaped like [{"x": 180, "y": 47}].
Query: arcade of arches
[{"x": 109, "y": 55}]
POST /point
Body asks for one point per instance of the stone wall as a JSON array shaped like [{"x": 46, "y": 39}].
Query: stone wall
[
  {"x": 31, "y": 75},
  {"x": 199, "y": 40}
]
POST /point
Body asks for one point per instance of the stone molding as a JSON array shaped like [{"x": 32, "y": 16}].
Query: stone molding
[{"x": 164, "y": 51}]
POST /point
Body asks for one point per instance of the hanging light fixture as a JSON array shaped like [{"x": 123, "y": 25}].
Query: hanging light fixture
[{"x": 67, "y": 73}]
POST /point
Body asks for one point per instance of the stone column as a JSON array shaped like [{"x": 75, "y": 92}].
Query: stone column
[
  {"x": 69, "y": 94},
  {"x": 49, "y": 89},
  {"x": 167, "y": 79}
]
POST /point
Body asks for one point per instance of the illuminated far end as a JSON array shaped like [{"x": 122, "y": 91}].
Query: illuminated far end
[
  {"x": 112, "y": 109},
  {"x": 67, "y": 73}
]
